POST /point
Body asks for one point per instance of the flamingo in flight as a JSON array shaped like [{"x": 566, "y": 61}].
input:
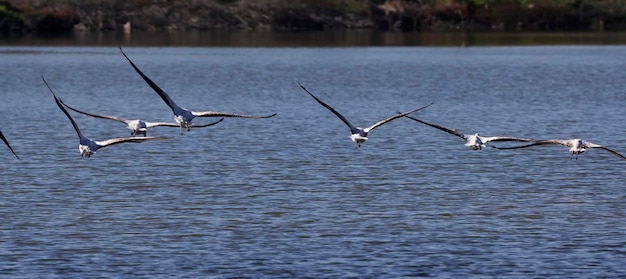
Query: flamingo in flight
[
  {"x": 359, "y": 135},
  {"x": 575, "y": 146},
  {"x": 86, "y": 146},
  {"x": 472, "y": 141},
  {"x": 184, "y": 116},
  {"x": 139, "y": 127}
]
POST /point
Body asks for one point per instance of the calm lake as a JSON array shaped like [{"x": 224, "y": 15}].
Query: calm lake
[{"x": 290, "y": 196}]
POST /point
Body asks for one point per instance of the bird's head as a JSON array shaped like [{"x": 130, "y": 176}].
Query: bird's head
[
  {"x": 184, "y": 122},
  {"x": 473, "y": 142},
  {"x": 85, "y": 151},
  {"x": 576, "y": 146}
]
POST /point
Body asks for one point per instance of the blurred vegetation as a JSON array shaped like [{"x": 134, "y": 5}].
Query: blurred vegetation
[{"x": 20, "y": 16}]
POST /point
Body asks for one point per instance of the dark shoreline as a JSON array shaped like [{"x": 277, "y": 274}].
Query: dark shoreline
[
  {"x": 64, "y": 17},
  {"x": 333, "y": 38}
]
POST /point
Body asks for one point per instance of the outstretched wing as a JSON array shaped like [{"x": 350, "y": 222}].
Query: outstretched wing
[
  {"x": 613, "y": 152},
  {"x": 367, "y": 130},
  {"x": 488, "y": 139},
  {"x": 166, "y": 124},
  {"x": 593, "y": 145},
  {"x": 206, "y": 125},
  {"x": 538, "y": 142},
  {"x": 228, "y": 114},
  {"x": 353, "y": 129},
  {"x": 166, "y": 98},
  {"x": 114, "y": 141},
  {"x": 445, "y": 129},
  {"x": 61, "y": 106},
  {"x": 119, "y": 119},
  {"x": 7, "y": 143},
  {"x": 169, "y": 124}
]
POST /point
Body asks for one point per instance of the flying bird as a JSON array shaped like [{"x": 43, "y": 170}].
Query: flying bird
[
  {"x": 184, "y": 116},
  {"x": 139, "y": 127},
  {"x": 473, "y": 142},
  {"x": 575, "y": 146},
  {"x": 7, "y": 143},
  {"x": 359, "y": 135},
  {"x": 87, "y": 147}
]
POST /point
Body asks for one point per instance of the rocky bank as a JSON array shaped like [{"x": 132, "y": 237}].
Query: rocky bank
[{"x": 61, "y": 16}]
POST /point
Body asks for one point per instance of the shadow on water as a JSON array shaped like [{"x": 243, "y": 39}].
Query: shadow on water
[{"x": 314, "y": 39}]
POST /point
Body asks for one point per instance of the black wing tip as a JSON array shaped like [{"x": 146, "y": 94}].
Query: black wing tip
[
  {"x": 617, "y": 154},
  {"x": 8, "y": 145},
  {"x": 304, "y": 88},
  {"x": 426, "y": 106},
  {"x": 131, "y": 62},
  {"x": 44, "y": 80},
  {"x": 125, "y": 56},
  {"x": 18, "y": 157},
  {"x": 208, "y": 124},
  {"x": 409, "y": 117},
  {"x": 257, "y": 116},
  {"x": 56, "y": 98},
  {"x": 213, "y": 123},
  {"x": 406, "y": 114},
  {"x": 517, "y": 147}
]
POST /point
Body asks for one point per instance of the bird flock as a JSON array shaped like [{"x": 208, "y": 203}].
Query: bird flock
[{"x": 184, "y": 117}]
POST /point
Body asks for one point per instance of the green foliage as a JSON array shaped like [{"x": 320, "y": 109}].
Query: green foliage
[
  {"x": 353, "y": 6},
  {"x": 4, "y": 10}
]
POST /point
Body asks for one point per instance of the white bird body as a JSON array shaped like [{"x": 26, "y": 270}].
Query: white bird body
[
  {"x": 473, "y": 142},
  {"x": 359, "y": 135},
  {"x": 137, "y": 127},
  {"x": 86, "y": 146},
  {"x": 574, "y": 146},
  {"x": 7, "y": 144},
  {"x": 184, "y": 116}
]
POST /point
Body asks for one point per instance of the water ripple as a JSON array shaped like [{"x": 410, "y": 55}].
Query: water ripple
[{"x": 290, "y": 196}]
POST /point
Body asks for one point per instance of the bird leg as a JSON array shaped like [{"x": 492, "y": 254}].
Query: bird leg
[
  {"x": 184, "y": 125},
  {"x": 574, "y": 156}
]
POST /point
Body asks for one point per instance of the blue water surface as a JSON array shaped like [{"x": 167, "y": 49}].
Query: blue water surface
[{"x": 290, "y": 196}]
